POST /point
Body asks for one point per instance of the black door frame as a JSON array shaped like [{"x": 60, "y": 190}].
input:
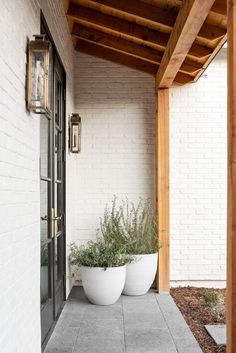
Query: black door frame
[{"x": 45, "y": 29}]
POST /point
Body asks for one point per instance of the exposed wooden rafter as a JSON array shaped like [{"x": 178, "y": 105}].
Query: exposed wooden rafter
[
  {"x": 156, "y": 33},
  {"x": 127, "y": 47},
  {"x": 190, "y": 19},
  {"x": 115, "y": 56},
  {"x": 150, "y": 15},
  {"x": 127, "y": 30}
]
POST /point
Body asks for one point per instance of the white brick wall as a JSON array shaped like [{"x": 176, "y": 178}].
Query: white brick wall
[
  {"x": 117, "y": 106},
  {"x": 19, "y": 172},
  {"x": 198, "y": 178},
  {"x": 117, "y": 109}
]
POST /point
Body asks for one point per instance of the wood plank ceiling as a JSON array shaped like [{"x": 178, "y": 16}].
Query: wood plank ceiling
[{"x": 136, "y": 33}]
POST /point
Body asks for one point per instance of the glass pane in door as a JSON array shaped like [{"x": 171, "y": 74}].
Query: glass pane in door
[
  {"x": 44, "y": 146},
  {"x": 44, "y": 269}
]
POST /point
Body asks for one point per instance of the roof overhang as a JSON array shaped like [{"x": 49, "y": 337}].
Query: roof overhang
[{"x": 172, "y": 39}]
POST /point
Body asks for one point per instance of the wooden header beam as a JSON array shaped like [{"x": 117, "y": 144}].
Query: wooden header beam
[
  {"x": 231, "y": 242},
  {"x": 191, "y": 17}
]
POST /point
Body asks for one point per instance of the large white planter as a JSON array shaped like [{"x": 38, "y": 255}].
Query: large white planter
[
  {"x": 140, "y": 274},
  {"x": 103, "y": 286}
]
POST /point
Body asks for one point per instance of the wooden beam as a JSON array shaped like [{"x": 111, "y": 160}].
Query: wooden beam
[
  {"x": 117, "y": 57},
  {"x": 211, "y": 57},
  {"x": 183, "y": 79},
  {"x": 231, "y": 217},
  {"x": 220, "y": 7},
  {"x": 66, "y": 5},
  {"x": 162, "y": 188},
  {"x": 128, "y": 47},
  {"x": 128, "y": 30},
  {"x": 191, "y": 17},
  {"x": 133, "y": 8},
  {"x": 150, "y": 15},
  {"x": 116, "y": 43},
  {"x": 121, "y": 58}
]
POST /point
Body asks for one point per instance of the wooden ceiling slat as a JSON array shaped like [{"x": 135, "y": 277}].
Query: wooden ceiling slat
[
  {"x": 183, "y": 79},
  {"x": 115, "y": 43},
  {"x": 148, "y": 13},
  {"x": 147, "y": 33},
  {"x": 133, "y": 8},
  {"x": 209, "y": 60},
  {"x": 114, "y": 56},
  {"x": 128, "y": 30},
  {"x": 126, "y": 60},
  {"x": 191, "y": 17},
  {"x": 66, "y": 4},
  {"x": 220, "y": 7}
]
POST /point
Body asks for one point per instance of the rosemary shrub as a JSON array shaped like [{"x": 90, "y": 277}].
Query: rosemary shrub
[
  {"x": 99, "y": 253},
  {"x": 133, "y": 227}
]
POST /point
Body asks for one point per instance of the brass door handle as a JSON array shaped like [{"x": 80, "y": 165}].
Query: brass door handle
[{"x": 56, "y": 218}]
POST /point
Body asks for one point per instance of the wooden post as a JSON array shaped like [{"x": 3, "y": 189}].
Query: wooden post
[
  {"x": 231, "y": 241},
  {"x": 162, "y": 187}
]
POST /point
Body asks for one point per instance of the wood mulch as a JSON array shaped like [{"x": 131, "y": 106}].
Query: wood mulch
[{"x": 191, "y": 303}]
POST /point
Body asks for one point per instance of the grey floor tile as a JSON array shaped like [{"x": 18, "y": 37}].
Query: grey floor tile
[
  {"x": 180, "y": 331},
  {"x": 70, "y": 320},
  {"x": 75, "y": 307},
  {"x": 218, "y": 333},
  {"x": 63, "y": 337},
  {"x": 103, "y": 329},
  {"x": 149, "y": 341},
  {"x": 146, "y": 314},
  {"x": 59, "y": 350},
  {"x": 99, "y": 345},
  {"x": 145, "y": 324},
  {"x": 104, "y": 312}
]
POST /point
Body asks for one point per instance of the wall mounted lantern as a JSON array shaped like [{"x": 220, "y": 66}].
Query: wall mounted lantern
[
  {"x": 75, "y": 133},
  {"x": 39, "y": 75}
]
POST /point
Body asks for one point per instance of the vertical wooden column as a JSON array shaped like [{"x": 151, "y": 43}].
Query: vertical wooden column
[
  {"x": 231, "y": 241},
  {"x": 162, "y": 187}
]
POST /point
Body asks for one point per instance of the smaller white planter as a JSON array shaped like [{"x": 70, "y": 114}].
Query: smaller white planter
[
  {"x": 140, "y": 274},
  {"x": 103, "y": 287}
]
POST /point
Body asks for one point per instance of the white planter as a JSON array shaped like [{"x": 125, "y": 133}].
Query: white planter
[
  {"x": 103, "y": 287},
  {"x": 140, "y": 274}
]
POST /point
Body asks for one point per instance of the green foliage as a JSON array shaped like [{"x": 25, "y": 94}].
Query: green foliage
[
  {"x": 99, "y": 253},
  {"x": 211, "y": 298},
  {"x": 134, "y": 227}
]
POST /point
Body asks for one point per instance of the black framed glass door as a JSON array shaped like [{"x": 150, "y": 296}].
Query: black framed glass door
[{"x": 52, "y": 204}]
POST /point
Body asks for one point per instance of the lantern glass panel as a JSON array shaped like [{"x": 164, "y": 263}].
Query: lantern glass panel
[{"x": 38, "y": 79}]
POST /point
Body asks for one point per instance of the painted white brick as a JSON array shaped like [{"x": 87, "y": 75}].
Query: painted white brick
[
  {"x": 117, "y": 106},
  {"x": 19, "y": 171},
  {"x": 117, "y": 109},
  {"x": 198, "y": 178}
]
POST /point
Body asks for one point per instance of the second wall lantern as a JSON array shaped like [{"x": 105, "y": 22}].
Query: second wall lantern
[
  {"x": 75, "y": 133},
  {"x": 39, "y": 75}
]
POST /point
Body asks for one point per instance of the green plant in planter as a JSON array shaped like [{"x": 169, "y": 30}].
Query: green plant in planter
[
  {"x": 133, "y": 227},
  {"x": 140, "y": 227},
  {"x": 99, "y": 253}
]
